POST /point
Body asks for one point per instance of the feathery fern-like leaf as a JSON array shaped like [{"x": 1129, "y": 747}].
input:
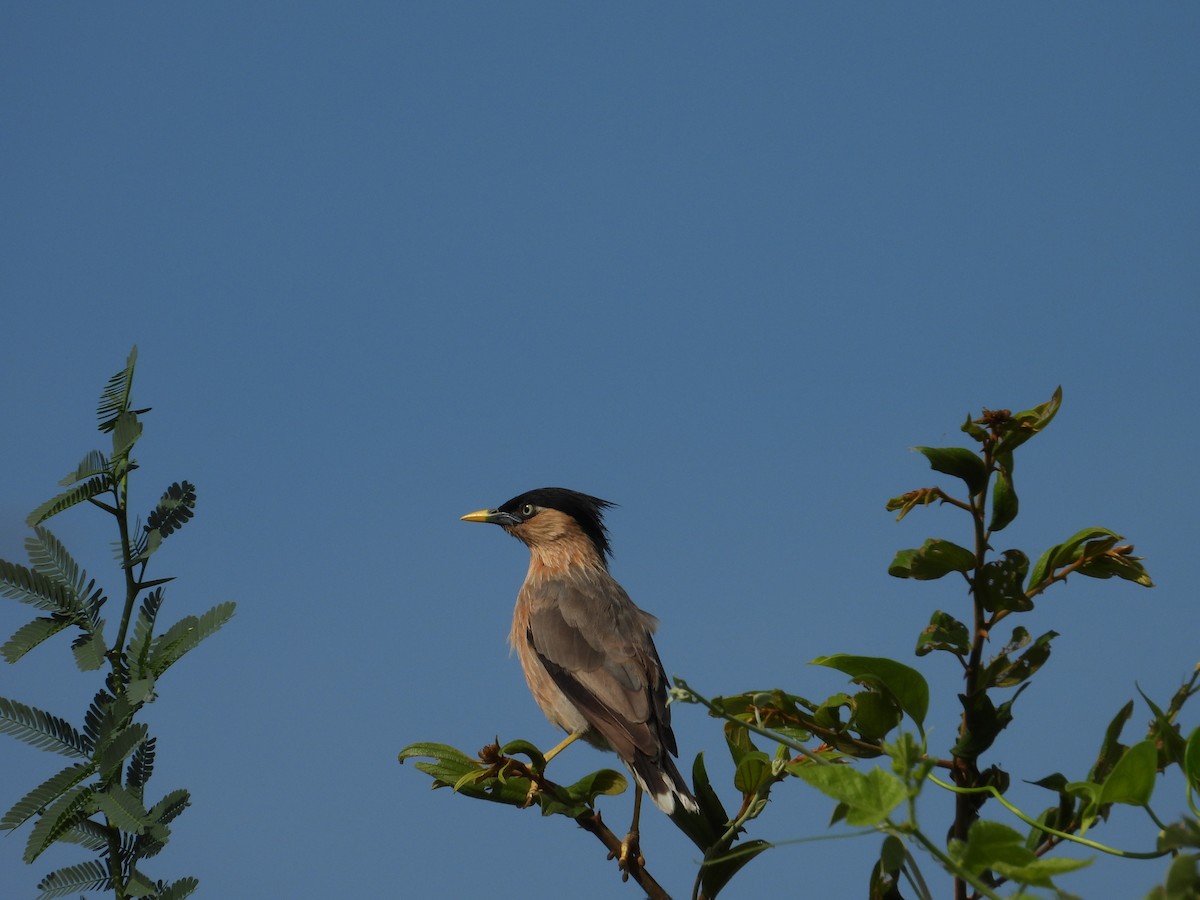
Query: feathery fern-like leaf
[
  {"x": 93, "y": 487},
  {"x": 95, "y": 463},
  {"x": 60, "y": 816},
  {"x": 173, "y": 511},
  {"x": 178, "y": 890},
  {"x": 151, "y": 841},
  {"x": 138, "y": 649},
  {"x": 51, "y": 559},
  {"x": 126, "y": 431},
  {"x": 174, "y": 508},
  {"x": 45, "y": 794},
  {"x": 139, "y": 885},
  {"x": 122, "y": 808},
  {"x": 115, "y": 398},
  {"x": 91, "y": 602},
  {"x": 42, "y": 730},
  {"x": 89, "y": 876},
  {"x": 48, "y": 556},
  {"x": 113, "y": 719},
  {"x": 112, "y": 757},
  {"x": 99, "y": 720},
  {"x": 184, "y": 635},
  {"x": 169, "y": 807},
  {"x": 34, "y": 588},
  {"x": 87, "y": 833},
  {"x": 30, "y": 635},
  {"x": 141, "y": 767},
  {"x": 89, "y": 650}
]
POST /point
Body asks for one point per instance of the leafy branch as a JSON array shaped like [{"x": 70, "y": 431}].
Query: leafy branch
[
  {"x": 882, "y": 718},
  {"x": 99, "y": 802}
]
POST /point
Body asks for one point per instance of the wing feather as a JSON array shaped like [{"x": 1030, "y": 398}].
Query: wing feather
[{"x": 597, "y": 647}]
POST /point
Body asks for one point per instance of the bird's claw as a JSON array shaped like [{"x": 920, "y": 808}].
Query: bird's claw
[
  {"x": 531, "y": 797},
  {"x": 630, "y": 855}
]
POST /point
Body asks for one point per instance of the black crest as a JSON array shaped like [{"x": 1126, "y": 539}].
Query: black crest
[{"x": 585, "y": 509}]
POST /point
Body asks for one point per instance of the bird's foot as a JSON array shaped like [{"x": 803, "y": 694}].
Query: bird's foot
[
  {"x": 531, "y": 797},
  {"x": 630, "y": 855}
]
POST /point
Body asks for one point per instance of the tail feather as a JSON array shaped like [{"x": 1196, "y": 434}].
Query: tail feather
[{"x": 666, "y": 786}]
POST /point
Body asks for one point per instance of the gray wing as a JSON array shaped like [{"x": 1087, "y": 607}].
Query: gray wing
[{"x": 597, "y": 647}]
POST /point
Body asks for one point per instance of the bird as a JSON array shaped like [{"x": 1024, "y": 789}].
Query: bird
[{"x": 587, "y": 650}]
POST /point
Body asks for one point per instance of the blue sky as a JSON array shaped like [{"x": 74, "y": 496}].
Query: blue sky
[{"x": 724, "y": 265}]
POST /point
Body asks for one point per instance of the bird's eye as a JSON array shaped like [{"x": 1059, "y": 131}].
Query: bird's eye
[{"x": 528, "y": 510}]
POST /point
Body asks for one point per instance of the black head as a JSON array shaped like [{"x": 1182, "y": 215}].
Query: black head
[{"x": 586, "y": 510}]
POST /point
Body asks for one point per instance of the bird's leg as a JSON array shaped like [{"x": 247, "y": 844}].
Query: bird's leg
[
  {"x": 565, "y": 743},
  {"x": 631, "y": 848},
  {"x": 559, "y": 748}
]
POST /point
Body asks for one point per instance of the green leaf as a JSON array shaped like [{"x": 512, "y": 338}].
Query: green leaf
[
  {"x": 1180, "y": 835},
  {"x": 869, "y": 798},
  {"x": 906, "y": 685},
  {"x": 36, "y": 589},
  {"x": 1003, "y": 673},
  {"x": 1132, "y": 778},
  {"x": 95, "y": 463},
  {"x": 168, "y": 809},
  {"x": 454, "y": 758},
  {"x": 1118, "y": 563},
  {"x": 990, "y": 843},
  {"x": 1111, "y": 749},
  {"x": 184, "y": 635},
  {"x": 141, "y": 766},
  {"x": 526, "y": 749},
  {"x": 112, "y": 756},
  {"x": 1090, "y": 542},
  {"x": 89, "y": 876},
  {"x": 1028, "y": 423},
  {"x": 974, "y": 429},
  {"x": 933, "y": 559},
  {"x": 138, "y": 649},
  {"x": 752, "y": 770},
  {"x": 1191, "y": 761},
  {"x": 139, "y": 885},
  {"x": 1183, "y": 879},
  {"x": 48, "y": 556},
  {"x": 944, "y": 632},
  {"x": 449, "y": 767},
  {"x": 892, "y": 854},
  {"x": 716, "y": 874},
  {"x": 906, "y": 503},
  {"x": 179, "y": 890},
  {"x": 1038, "y": 872},
  {"x": 89, "y": 651},
  {"x": 87, "y": 834},
  {"x": 711, "y": 806},
  {"x": 57, "y": 819},
  {"x": 41, "y": 729},
  {"x": 1164, "y": 734},
  {"x": 105, "y": 720},
  {"x": 1001, "y": 583},
  {"x": 115, "y": 398},
  {"x": 959, "y": 462},
  {"x": 1004, "y": 502},
  {"x": 30, "y": 635},
  {"x": 45, "y": 794},
  {"x": 875, "y": 715},
  {"x": 174, "y": 509},
  {"x": 982, "y": 722},
  {"x": 123, "y": 809},
  {"x": 126, "y": 431},
  {"x": 68, "y": 498},
  {"x": 139, "y": 691}
]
